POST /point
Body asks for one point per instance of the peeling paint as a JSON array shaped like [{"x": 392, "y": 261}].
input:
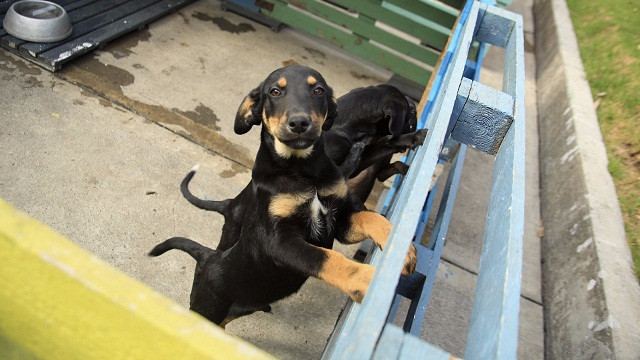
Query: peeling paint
[
  {"x": 602, "y": 326},
  {"x": 569, "y": 155},
  {"x": 574, "y": 229},
  {"x": 571, "y": 139},
  {"x": 66, "y": 54},
  {"x": 584, "y": 245}
]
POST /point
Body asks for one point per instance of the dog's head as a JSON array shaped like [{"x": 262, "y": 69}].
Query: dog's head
[
  {"x": 399, "y": 113},
  {"x": 294, "y": 103}
]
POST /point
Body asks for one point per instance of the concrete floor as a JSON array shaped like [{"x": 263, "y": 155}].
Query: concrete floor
[{"x": 97, "y": 151}]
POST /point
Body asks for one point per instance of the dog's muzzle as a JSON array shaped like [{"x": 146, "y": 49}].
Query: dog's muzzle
[{"x": 299, "y": 132}]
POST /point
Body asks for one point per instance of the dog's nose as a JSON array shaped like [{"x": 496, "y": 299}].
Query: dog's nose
[{"x": 299, "y": 124}]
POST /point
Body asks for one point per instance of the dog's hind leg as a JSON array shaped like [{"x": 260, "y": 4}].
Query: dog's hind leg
[
  {"x": 212, "y": 307},
  {"x": 389, "y": 170},
  {"x": 237, "y": 311}
]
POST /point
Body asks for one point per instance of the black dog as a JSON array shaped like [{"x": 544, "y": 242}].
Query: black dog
[
  {"x": 372, "y": 124},
  {"x": 280, "y": 229}
]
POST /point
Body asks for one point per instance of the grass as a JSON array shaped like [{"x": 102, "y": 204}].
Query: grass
[{"x": 608, "y": 35}]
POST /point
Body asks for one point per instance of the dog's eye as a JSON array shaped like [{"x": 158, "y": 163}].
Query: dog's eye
[
  {"x": 318, "y": 91},
  {"x": 275, "y": 92}
]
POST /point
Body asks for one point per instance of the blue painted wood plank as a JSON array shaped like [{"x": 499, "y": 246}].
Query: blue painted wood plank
[
  {"x": 444, "y": 66},
  {"x": 494, "y": 29},
  {"x": 413, "y": 348},
  {"x": 437, "y": 240},
  {"x": 370, "y": 319},
  {"x": 482, "y": 116},
  {"x": 390, "y": 343},
  {"x": 494, "y": 321}
]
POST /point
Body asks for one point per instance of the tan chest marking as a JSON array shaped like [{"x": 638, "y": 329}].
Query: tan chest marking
[
  {"x": 285, "y": 205},
  {"x": 338, "y": 189}
]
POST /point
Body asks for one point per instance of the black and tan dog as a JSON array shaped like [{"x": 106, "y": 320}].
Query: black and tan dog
[
  {"x": 280, "y": 229},
  {"x": 373, "y": 123}
]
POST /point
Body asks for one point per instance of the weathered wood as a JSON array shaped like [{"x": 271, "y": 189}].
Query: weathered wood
[
  {"x": 347, "y": 41},
  {"x": 494, "y": 29},
  {"x": 390, "y": 343},
  {"x": 482, "y": 116},
  {"x": 103, "y": 16},
  {"x": 426, "y": 9},
  {"x": 436, "y": 243},
  {"x": 69, "y": 6},
  {"x": 87, "y": 19},
  {"x": 94, "y": 24},
  {"x": 363, "y": 335},
  {"x": 494, "y": 319},
  {"x": 435, "y": 35},
  {"x": 457, "y": 4},
  {"x": 365, "y": 27},
  {"x": 413, "y": 348},
  {"x": 60, "y": 302}
]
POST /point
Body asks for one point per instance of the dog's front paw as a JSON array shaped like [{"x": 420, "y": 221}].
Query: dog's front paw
[
  {"x": 360, "y": 282},
  {"x": 410, "y": 261},
  {"x": 418, "y": 137}
]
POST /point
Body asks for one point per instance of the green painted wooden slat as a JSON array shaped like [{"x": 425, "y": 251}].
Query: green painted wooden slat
[
  {"x": 414, "y": 17},
  {"x": 349, "y": 42},
  {"x": 363, "y": 27},
  {"x": 429, "y": 10},
  {"x": 431, "y": 33},
  {"x": 458, "y": 4}
]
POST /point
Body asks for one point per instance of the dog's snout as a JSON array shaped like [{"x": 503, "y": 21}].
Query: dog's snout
[{"x": 299, "y": 124}]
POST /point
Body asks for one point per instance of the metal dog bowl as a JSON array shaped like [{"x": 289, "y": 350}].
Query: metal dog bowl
[{"x": 37, "y": 21}]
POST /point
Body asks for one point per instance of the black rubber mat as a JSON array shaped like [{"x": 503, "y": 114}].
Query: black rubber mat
[{"x": 94, "y": 24}]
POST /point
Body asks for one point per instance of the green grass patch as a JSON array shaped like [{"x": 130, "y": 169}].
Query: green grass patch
[{"x": 608, "y": 35}]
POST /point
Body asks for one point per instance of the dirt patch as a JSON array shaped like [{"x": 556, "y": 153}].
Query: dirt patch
[
  {"x": 224, "y": 24},
  {"x": 202, "y": 115},
  {"x": 235, "y": 170},
  {"x": 107, "y": 81},
  {"x": 122, "y": 48},
  {"x": 11, "y": 64}
]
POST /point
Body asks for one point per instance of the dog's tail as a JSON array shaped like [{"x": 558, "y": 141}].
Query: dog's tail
[
  {"x": 197, "y": 251},
  {"x": 210, "y": 205}
]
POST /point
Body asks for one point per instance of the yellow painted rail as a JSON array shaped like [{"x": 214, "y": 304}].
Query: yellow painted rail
[{"x": 59, "y": 302}]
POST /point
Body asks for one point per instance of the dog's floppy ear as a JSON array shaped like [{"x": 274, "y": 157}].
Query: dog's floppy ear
[
  {"x": 249, "y": 111},
  {"x": 332, "y": 110},
  {"x": 395, "y": 115},
  {"x": 412, "y": 115}
]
